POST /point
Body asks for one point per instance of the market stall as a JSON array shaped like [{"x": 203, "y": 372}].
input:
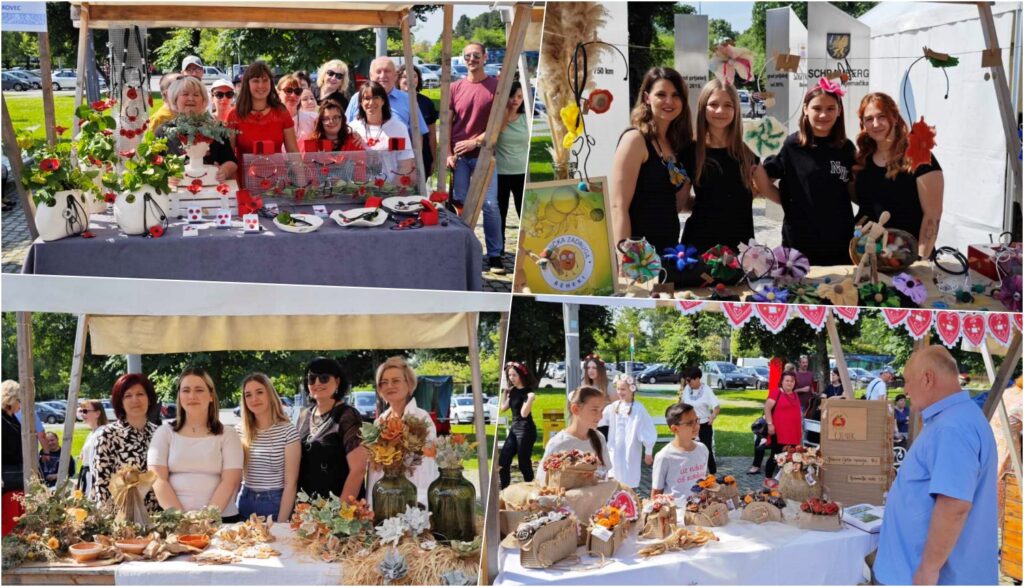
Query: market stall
[{"x": 157, "y": 316}]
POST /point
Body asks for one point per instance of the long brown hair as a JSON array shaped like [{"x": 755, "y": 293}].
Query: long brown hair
[
  {"x": 837, "y": 135},
  {"x": 320, "y": 133},
  {"x": 212, "y": 410},
  {"x": 601, "y": 382},
  {"x": 867, "y": 147},
  {"x": 277, "y": 415},
  {"x": 580, "y": 397},
  {"x": 734, "y": 135},
  {"x": 680, "y": 131},
  {"x": 243, "y": 106},
  {"x": 95, "y": 404}
]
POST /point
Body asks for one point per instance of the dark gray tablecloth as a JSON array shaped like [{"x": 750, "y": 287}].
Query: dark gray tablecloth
[{"x": 432, "y": 257}]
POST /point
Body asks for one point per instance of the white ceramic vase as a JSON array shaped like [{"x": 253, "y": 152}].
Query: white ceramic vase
[
  {"x": 68, "y": 216},
  {"x": 194, "y": 166},
  {"x": 136, "y": 212}
]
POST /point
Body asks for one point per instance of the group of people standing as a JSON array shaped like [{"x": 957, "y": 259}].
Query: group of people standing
[
  {"x": 672, "y": 161},
  {"x": 256, "y": 467}
]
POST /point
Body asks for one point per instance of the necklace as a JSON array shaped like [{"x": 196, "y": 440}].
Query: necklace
[
  {"x": 676, "y": 172},
  {"x": 372, "y": 141}
]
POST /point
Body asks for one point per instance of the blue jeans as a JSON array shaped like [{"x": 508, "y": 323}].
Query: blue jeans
[
  {"x": 493, "y": 238},
  {"x": 261, "y": 503}
]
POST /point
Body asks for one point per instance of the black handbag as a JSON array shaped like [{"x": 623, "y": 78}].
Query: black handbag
[{"x": 759, "y": 427}]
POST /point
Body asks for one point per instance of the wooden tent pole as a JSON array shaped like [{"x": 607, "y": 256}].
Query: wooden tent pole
[
  {"x": 472, "y": 324},
  {"x": 83, "y": 52},
  {"x": 492, "y": 535},
  {"x": 1010, "y": 361},
  {"x": 837, "y": 350},
  {"x": 485, "y": 161},
  {"x": 414, "y": 108},
  {"x": 445, "y": 116},
  {"x": 1004, "y": 417},
  {"x": 13, "y": 152},
  {"x": 49, "y": 117},
  {"x": 26, "y": 381},
  {"x": 74, "y": 385}
]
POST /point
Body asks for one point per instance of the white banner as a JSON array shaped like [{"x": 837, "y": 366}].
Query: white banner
[
  {"x": 785, "y": 34},
  {"x": 29, "y": 17}
]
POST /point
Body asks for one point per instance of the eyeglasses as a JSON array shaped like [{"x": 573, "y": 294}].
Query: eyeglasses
[
  {"x": 293, "y": 91},
  {"x": 334, "y": 74},
  {"x": 85, "y": 411},
  {"x": 222, "y": 95},
  {"x": 321, "y": 377},
  {"x": 472, "y": 55},
  {"x": 330, "y": 119}
]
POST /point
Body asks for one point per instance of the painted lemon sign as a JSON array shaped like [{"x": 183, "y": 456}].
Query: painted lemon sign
[{"x": 565, "y": 239}]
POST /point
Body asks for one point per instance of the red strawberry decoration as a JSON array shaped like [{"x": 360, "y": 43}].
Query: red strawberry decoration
[
  {"x": 405, "y": 180},
  {"x": 109, "y": 197},
  {"x": 223, "y": 189}
]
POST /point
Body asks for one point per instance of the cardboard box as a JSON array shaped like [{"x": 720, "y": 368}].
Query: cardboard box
[
  {"x": 573, "y": 477},
  {"x": 856, "y": 470},
  {"x": 981, "y": 259}
]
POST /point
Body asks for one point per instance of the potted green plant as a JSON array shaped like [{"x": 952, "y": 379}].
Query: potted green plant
[
  {"x": 142, "y": 204},
  {"x": 96, "y": 146},
  {"x": 59, "y": 190},
  {"x": 196, "y": 132}
]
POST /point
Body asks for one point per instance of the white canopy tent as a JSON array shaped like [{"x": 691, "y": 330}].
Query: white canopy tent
[
  {"x": 159, "y": 316},
  {"x": 972, "y": 143}
]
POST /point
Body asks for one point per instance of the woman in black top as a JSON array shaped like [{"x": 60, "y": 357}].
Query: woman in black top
[
  {"x": 646, "y": 175},
  {"x": 815, "y": 168},
  {"x": 333, "y": 456},
  {"x": 722, "y": 173},
  {"x": 188, "y": 96},
  {"x": 522, "y": 432},
  {"x": 885, "y": 180},
  {"x": 430, "y": 115}
]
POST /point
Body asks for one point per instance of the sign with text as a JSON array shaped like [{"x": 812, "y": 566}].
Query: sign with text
[
  {"x": 691, "y": 53},
  {"x": 856, "y": 441},
  {"x": 27, "y": 17},
  {"x": 839, "y": 47},
  {"x": 848, "y": 460},
  {"x": 848, "y": 424}
]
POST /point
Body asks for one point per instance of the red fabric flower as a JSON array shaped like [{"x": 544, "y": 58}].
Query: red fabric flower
[
  {"x": 158, "y": 160},
  {"x": 265, "y": 184},
  {"x": 600, "y": 101},
  {"x": 88, "y": 234},
  {"x": 109, "y": 197},
  {"x": 60, "y": 129},
  {"x": 405, "y": 180},
  {"x": 379, "y": 182},
  {"x": 223, "y": 189},
  {"x": 127, "y": 154},
  {"x": 195, "y": 189},
  {"x": 438, "y": 196},
  {"x": 921, "y": 141},
  {"x": 101, "y": 105},
  {"x": 197, "y": 182},
  {"x": 51, "y": 164},
  {"x": 156, "y": 231},
  {"x": 132, "y": 93}
]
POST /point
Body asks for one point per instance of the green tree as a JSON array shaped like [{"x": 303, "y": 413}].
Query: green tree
[
  {"x": 719, "y": 29},
  {"x": 463, "y": 27},
  {"x": 20, "y": 49},
  {"x": 646, "y": 20},
  {"x": 691, "y": 340},
  {"x": 536, "y": 336}
]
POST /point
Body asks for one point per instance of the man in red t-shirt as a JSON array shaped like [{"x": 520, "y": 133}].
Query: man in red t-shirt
[{"x": 471, "y": 101}]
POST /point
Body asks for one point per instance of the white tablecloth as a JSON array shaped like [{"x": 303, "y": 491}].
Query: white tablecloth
[
  {"x": 293, "y": 567},
  {"x": 746, "y": 554}
]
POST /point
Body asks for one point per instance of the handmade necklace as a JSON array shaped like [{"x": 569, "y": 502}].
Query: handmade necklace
[
  {"x": 372, "y": 141},
  {"x": 676, "y": 172}
]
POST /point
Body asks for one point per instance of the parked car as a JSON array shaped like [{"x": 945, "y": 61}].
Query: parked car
[
  {"x": 64, "y": 79},
  {"x": 491, "y": 408},
  {"x": 658, "y": 373},
  {"x": 33, "y": 81},
  {"x": 365, "y": 402},
  {"x": 637, "y": 367},
  {"x": 108, "y": 409},
  {"x": 13, "y": 82},
  {"x": 462, "y": 410},
  {"x": 759, "y": 374},
  {"x": 493, "y": 69},
  {"x": 212, "y": 74},
  {"x": 49, "y": 414},
  {"x": 724, "y": 375},
  {"x": 432, "y": 67},
  {"x": 459, "y": 71},
  {"x": 430, "y": 79},
  {"x": 556, "y": 371},
  {"x": 169, "y": 410}
]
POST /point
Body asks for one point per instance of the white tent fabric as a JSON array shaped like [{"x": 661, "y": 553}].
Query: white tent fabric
[{"x": 970, "y": 145}]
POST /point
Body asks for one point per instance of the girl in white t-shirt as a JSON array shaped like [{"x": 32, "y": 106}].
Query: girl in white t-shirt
[
  {"x": 631, "y": 433},
  {"x": 586, "y": 405},
  {"x": 375, "y": 125},
  {"x": 694, "y": 392}
]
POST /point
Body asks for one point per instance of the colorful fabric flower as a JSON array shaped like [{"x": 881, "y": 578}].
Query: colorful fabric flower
[
  {"x": 878, "y": 295},
  {"x": 1010, "y": 293},
  {"x": 599, "y": 101},
  {"x": 641, "y": 263},
  {"x": 771, "y": 295},
  {"x": 764, "y": 136},
  {"x": 910, "y": 287},
  {"x": 156, "y": 231},
  {"x": 920, "y": 143},
  {"x": 722, "y": 262},
  {"x": 573, "y": 121},
  {"x": 52, "y": 164},
  {"x": 790, "y": 265},
  {"x": 682, "y": 256},
  {"x": 831, "y": 87},
  {"x": 800, "y": 293},
  {"x": 728, "y": 61},
  {"x": 841, "y": 293},
  {"x": 756, "y": 260}
]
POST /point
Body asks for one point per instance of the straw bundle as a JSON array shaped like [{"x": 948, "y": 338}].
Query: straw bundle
[{"x": 425, "y": 566}]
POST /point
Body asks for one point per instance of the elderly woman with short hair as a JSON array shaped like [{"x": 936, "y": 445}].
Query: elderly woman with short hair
[
  {"x": 396, "y": 384},
  {"x": 187, "y": 96},
  {"x": 332, "y": 82}
]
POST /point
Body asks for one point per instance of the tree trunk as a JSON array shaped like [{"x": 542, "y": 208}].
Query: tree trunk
[{"x": 822, "y": 349}]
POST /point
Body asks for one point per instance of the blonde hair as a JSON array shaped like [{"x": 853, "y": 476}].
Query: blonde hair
[
  {"x": 213, "y": 410},
  {"x": 287, "y": 80},
  {"x": 186, "y": 82},
  {"x": 11, "y": 391},
  {"x": 335, "y": 65},
  {"x": 397, "y": 362},
  {"x": 277, "y": 415},
  {"x": 738, "y": 151}
]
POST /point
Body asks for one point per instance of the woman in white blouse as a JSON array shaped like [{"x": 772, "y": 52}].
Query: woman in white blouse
[
  {"x": 378, "y": 129},
  {"x": 91, "y": 412},
  {"x": 396, "y": 382},
  {"x": 198, "y": 462}
]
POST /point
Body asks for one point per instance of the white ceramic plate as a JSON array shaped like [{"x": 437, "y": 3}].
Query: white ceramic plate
[
  {"x": 314, "y": 220},
  {"x": 344, "y": 218},
  {"x": 403, "y": 204}
]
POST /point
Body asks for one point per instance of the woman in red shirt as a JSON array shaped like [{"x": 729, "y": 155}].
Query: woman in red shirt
[
  {"x": 785, "y": 419},
  {"x": 259, "y": 115}
]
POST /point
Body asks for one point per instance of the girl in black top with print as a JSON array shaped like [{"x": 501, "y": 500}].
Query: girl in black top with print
[
  {"x": 724, "y": 173},
  {"x": 333, "y": 456},
  {"x": 885, "y": 180},
  {"x": 522, "y": 433},
  {"x": 646, "y": 176},
  {"x": 815, "y": 168}
]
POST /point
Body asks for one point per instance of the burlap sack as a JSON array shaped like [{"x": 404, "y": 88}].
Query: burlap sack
[
  {"x": 795, "y": 487},
  {"x": 584, "y": 501},
  {"x": 572, "y": 477},
  {"x": 606, "y": 548},
  {"x": 808, "y": 521},
  {"x": 760, "y": 512},
  {"x": 517, "y": 496},
  {"x": 550, "y": 544},
  {"x": 712, "y": 514},
  {"x": 728, "y": 493},
  {"x": 658, "y": 524}
]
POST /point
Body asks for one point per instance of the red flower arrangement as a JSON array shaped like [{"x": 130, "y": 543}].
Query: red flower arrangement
[
  {"x": 60, "y": 129},
  {"x": 52, "y": 164},
  {"x": 405, "y": 180},
  {"x": 127, "y": 154},
  {"x": 820, "y": 507},
  {"x": 379, "y": 182}
]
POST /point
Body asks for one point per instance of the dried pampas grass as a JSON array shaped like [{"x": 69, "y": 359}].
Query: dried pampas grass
[{"x": 425, "y": 566}]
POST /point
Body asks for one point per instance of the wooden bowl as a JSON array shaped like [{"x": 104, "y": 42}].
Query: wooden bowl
[
  {"x": 200, "y": 541},
  {"x": 85, "y": 551},
  {"x": 132, "y": 545}
]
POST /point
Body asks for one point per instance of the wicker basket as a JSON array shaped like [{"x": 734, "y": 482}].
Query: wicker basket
[
  {"x": 760, "y": 512},
  {"x": 550, "y": 544},
  {"x": 906, "y": 260}
]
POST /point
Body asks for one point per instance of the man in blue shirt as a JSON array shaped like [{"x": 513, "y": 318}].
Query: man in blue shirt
[
  {"x": 940, "y": 520},
  {"x": 382, "y": 71}
]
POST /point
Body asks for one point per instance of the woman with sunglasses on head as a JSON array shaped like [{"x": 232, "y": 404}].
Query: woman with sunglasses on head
[
  {"x": 271, "y": 447},
  {"x": 289, "y": 90},
  {"x": 376, "y": 127},
  {"x": 396, "y": 384},
  {"x": 223, "y": 95},
  {"x": 332, "y": 83},
  {"x": 331, "y": 126},
  {"x": 91, "y": 412},
  {"x": 197, "y": 460},
  {"x": 522, "y": 432},
  {"x": 333, "y": 456},
  {"x": 260, "y": 116}
]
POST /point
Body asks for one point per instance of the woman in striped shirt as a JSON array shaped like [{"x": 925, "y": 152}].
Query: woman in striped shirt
[{"x": 271, "y": 444}]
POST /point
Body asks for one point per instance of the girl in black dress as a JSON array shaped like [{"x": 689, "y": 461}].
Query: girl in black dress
[
  {"x": 815, "y": 167},
  {"x": 333, "y": 456},
  {"x": 724, "y": 173},
  {"x": 885, "y": 181},
  {"x": 522, "y": 432},
  {"x": 646, "y": 175}
]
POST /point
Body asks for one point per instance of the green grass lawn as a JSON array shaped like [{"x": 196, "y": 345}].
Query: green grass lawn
[
  {"x": 27, "y": 112},
  {"x": 540, "y": 160}
]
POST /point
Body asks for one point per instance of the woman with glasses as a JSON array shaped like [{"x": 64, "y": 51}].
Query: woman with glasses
[
  {"x": 333, "y": 456},
  {"x": 331, "y": 126},
  {"x": 271, "y": 446},
  {"x": 289, "y": 90},
  {"x": 332, "y": 82},
  {"x": 376, "y": 127},
  {"x": 91, "y": 412},
  {"x": 198, "y": 461},
  {"x": 223, "y": 94}
]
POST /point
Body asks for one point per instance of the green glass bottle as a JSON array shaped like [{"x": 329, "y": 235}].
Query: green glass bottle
[{"x": 450, "y": 499}]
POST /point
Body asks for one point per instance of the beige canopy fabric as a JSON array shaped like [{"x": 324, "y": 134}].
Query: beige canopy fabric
[
  {"x": 338, "y": 16},
  {"x": 147, "y": 335}
]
